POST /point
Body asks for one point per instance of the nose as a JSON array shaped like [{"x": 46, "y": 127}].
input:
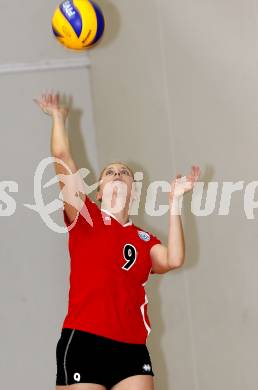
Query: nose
[{"x": 117, "y": 173}]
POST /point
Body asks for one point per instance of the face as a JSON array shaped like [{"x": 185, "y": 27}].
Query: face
[{"x": 116, "y": 173}]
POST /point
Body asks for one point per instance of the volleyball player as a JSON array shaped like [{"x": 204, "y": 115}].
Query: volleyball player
[{"x": 102, "y": 345}]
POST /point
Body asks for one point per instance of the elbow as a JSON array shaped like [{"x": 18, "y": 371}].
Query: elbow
[
  {"x": 60, "y": 154},
  {"x": 176, "y": 262}
]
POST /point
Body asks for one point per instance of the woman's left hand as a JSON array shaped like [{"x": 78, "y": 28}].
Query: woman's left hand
[{"x": 179, "y": 186}]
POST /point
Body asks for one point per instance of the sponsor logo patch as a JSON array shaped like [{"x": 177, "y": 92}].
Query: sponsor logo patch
[
  {"x": 143, "y": 235},
  {"x": 146, "y": 367}
]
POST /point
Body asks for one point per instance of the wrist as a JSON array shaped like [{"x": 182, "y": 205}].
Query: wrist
[
  {"x": 175, "y": 204},
  {"x": 58, "y": 116},
  {"x": 175, "y": 197}
]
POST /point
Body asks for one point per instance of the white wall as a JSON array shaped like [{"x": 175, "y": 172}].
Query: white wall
[
  {"x": 34, "y": 267},
  {"x": 173, "y": 83}
]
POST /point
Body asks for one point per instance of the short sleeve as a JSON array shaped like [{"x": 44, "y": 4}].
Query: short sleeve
[
  {"x": 88, "y": 203},
  {"x": 153, "y": 241}
]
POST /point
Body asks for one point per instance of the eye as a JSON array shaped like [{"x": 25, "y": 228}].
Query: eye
[
  {"x": 125, "y": 172},
  {"x": 109, "y": 172}
]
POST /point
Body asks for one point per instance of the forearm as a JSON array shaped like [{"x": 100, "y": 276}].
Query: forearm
[
  {"x": 176, "y": 243},
  {"x": 59, "y": 137}
]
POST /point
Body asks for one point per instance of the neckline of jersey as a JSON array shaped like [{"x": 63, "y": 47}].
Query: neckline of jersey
[{"x": 129, "y": 223}]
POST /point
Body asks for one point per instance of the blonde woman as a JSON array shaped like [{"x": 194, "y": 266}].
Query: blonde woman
[{"x": 102, "y": 345}]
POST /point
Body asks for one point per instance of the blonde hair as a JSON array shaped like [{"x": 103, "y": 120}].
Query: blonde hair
[{"x": 114, "y": 162}]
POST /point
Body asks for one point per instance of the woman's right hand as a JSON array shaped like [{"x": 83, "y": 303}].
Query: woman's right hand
[{"x": 50, "y": 105}]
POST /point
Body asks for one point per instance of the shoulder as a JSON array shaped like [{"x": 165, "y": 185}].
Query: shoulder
[
  {"x": 146, "y": 235},
  {"x": 87, "y": 210}
]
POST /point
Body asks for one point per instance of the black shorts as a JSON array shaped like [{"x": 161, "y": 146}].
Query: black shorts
[{"x": 83, "y": 357}]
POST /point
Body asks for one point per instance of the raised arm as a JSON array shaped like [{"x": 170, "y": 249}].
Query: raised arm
[
  {"x": 60, "y": 148},
  {"x": 165, "y": 258}
]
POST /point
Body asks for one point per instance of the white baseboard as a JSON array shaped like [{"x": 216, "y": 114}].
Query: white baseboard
[{"x": 62, "y": 63}]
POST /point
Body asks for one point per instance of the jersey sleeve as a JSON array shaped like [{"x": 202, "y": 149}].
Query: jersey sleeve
[
  {"x": 86, "y": 213},
  {"x": 153, "y": 241}
]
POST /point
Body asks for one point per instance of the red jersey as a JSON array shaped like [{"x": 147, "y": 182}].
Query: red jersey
[{"x": 110, "y": 264}]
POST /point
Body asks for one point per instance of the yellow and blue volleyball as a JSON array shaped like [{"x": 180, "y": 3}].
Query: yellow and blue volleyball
[{"x": 78, "y": 24}]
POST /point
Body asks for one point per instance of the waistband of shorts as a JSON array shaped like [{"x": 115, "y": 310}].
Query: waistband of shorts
[{"x": 91, "y": 335}]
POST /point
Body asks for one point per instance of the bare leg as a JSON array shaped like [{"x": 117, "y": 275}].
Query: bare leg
[
  {"x": 81, "y": 386},
  {"x": 135, "y": 382}
]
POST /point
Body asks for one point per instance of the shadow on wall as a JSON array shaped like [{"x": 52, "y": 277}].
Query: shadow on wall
[{"x": 112, "y": 22}]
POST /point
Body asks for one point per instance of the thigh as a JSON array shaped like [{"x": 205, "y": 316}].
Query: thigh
[
  {"x": 131, "y": 368},
  {"x": 81, "y": 386},
  {"x": 79, "y": 356},
  {"x": 139, "y": 382},
  {"x": 86, "y": 386}
]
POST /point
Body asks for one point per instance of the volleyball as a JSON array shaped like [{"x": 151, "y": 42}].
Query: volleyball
[{"x": 78, "y": 24}]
